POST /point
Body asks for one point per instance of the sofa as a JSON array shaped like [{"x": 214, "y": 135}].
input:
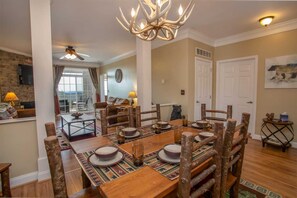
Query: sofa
[{"x": 112, "y": 106}]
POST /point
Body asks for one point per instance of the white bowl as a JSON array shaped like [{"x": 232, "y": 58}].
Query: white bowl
[
  {"x": 202, "y": 123},
  {"x": 172, "y": 150},
  {"x": 203, "y": 135},
  {"x": 106, "y": 152},
  {"x": 129, "y": 131},
  {"x": 162, "y": 124}
]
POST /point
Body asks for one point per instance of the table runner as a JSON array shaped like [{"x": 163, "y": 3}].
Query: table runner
[
  {"x": 98, "y": 176},
  {"x": 171, "y": 171}
]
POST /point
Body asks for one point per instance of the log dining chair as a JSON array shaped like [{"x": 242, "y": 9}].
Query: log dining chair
[
  {"x": 53, "y": 151},
  {"x": 209, "y": 179},
  {"x": 140, "y": 116},
  {"x": 227, "y": 114},
  {"x": 123, "y": 119},
  {"x": 233, "y": 153}
]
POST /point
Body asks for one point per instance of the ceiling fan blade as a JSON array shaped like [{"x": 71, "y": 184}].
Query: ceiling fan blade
[
  {"x": 83, "y": 54},
  {"x": 78, "y": 56}
]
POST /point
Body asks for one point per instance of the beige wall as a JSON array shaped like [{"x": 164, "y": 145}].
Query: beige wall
[
  {"x": 170, "y": 63},
  {"x": 18, "y": 145},
  {"x": 268, "y": 100},
  {"x": 128, "y": 66},
  {"x": 192, "y": 44}
]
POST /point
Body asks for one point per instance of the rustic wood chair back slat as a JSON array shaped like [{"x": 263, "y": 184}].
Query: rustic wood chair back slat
[
  {"x": 204, "y": 111},
  {"x": 212, "y": 173},
  {"x": 104, "y": 120},
  {"x": 139, "y": 114}
]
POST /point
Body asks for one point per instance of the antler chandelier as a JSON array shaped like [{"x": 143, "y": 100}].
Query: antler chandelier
[{"x": 155, "y": 24}]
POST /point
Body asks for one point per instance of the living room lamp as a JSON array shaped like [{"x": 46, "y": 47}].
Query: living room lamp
[
  {"x": 132, "y": 94},
  {"x": 10, "y": 97}
]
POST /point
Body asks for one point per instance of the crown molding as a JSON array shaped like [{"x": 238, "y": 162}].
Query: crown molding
[
  {"x": 261, "y": 32},
  {"x": 120, "y": 57},
  {"x": 15, "y": 51},
  {"x": 75, "y": 63}
]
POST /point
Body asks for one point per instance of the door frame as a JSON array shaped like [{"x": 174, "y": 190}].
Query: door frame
[
  {"x": 252, "y": 129},
  {"x": 210, "y": 81}
]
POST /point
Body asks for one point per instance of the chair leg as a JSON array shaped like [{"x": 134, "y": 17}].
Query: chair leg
[
  {"x": 234, "y": 189},
  {"x": 5, "y": 183}
]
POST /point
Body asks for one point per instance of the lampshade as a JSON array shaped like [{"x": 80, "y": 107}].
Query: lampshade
[
  {"x": 132, "y": 94},
  {"x": 10, "y": 97},
  {"x": 266, "y": 20}
]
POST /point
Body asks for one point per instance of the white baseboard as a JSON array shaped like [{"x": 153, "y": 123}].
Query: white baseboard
[
  {"x": 23, "y": 179},
  {"x": 44, "y": 175},
  {"x": 258, "y": 137}
]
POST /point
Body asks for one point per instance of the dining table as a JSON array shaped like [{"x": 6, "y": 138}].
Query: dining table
[{"x": 153, "y": 179}]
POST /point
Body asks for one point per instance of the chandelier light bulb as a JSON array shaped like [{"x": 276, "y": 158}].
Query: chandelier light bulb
[
  {"x": 159, "y": 3},
  {"x": 132, "y": 12},
  {"x": 180, "y": 10},
  {"x": 141, "y": 25}
]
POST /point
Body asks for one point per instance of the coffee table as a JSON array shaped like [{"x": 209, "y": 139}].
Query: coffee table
[{"x": 81, "y": 124}]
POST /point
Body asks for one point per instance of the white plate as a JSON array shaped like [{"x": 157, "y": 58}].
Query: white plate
[
  {"x": 95, "y": 161},
  {"x": 165, "y": 128},
  {"x": 163, "y": 157},
  {"x": 196, "y": 126},
  {"x": 133, "y": 136},
  {"x": 197, "y": 138}
]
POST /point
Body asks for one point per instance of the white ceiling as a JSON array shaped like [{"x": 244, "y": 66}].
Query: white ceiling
[{"x": 90, "y": 25}]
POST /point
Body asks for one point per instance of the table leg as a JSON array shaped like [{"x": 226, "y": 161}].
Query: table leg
[
  {"x": 85, "y": 180},
  {"x": 95, "y": 129},
  {"x": 69, "y": 134}
]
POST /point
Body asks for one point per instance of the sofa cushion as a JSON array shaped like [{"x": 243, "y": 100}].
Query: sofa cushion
[
  {"x": 121, "y": 101},
  {"x": 111, "y": 100},
  {"x": 7, "y": 111}
]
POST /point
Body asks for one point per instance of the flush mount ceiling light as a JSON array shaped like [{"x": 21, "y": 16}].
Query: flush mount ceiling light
[
  {"x": 155, "y": 25},
  {"x": 265, "y": 21}
]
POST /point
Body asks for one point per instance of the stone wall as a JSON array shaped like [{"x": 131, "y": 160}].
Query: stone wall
[{"x": 9, "y": 78}]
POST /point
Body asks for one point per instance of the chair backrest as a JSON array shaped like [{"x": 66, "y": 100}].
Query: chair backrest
[
  {"x": 233, "y": 150},
  {"x": 228, "y": 113},
  {"x": 128, "y": 115},
  {"x": 53, "y": 151},
  {"x": 211, "y": 175},
  {"x": 139, "y": 114},
  {"x": 50, "y": 129}
]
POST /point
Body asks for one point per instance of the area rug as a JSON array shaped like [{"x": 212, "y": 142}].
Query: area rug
[
  {"x": 64, "y": 142},
  {"x": 248, "y": 189}
]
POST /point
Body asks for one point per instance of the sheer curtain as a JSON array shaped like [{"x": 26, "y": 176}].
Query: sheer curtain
[
  {"x": 95, "y": 81},
  {"x": 58, "y": 72}
]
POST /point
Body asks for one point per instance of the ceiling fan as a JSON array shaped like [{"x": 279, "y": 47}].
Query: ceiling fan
[{"x": 72, "y": 54}]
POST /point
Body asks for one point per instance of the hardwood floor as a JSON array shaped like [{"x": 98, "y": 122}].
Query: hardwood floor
[{"x": 268, "y": 167}]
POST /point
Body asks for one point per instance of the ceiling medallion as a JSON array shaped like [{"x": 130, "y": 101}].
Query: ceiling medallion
[{"x": 155, "y": 25}]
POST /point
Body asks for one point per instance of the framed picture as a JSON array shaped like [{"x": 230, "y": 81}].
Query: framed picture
[{"x": 281, "y": 72}]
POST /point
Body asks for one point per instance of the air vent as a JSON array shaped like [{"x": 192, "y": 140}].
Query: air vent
[{"x": 203, "y": 52}]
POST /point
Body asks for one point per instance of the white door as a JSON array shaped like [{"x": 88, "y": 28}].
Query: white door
[
  {"x": 237, "y": 86},
  {"x": 203, "y": 85}
]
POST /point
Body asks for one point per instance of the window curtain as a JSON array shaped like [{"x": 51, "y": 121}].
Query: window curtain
[
  {"x": 95, "y": 81},
  {"x": 58, "y": 72}
]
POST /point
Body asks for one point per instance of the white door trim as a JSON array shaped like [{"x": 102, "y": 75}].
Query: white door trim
[
  {"x": 210, "y": 79},
  {"x": 252, "y": 130}
]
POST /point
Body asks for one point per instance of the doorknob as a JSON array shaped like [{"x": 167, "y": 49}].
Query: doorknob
[
  {"x": 250, "y": 102},
  {"x": 197, "y": 101}
]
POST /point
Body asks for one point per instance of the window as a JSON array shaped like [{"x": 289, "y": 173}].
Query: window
[
  {"x": 75, "y": 90},
  {"x": 105, "y": 85}
]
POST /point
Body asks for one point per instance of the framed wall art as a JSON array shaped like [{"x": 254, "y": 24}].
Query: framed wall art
[{"x": 281, "y": 72}]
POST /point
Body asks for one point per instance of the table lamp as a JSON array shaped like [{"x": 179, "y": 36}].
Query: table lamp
[
  {"x": 132, "y": 94},
  {"x": 10, "y": 97}
]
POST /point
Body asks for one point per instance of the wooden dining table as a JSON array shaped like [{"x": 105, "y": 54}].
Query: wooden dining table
[{"x": 145, "y": 181}]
